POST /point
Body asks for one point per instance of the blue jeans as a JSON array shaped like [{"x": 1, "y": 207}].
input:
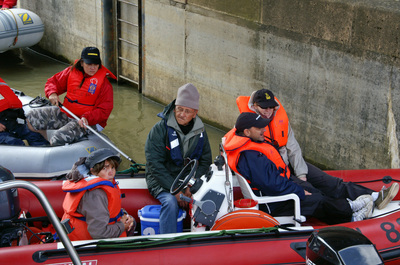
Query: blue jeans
[
  {"x": 169, "y": 213},
  {"x": 21, "y": 132}
]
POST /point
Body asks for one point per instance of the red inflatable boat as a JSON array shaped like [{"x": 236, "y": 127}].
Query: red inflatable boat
[{"x": 230, "y": 236}]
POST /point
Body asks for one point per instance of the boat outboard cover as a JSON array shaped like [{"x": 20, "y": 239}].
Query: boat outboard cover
[
  {"x": 341, "y": 245},
  {"x": 9, "y": 200}
]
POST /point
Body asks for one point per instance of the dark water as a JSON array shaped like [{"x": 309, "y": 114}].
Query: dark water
[{"x": 131, "y": 119}]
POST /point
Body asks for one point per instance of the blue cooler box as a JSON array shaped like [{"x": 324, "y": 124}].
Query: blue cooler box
[{"x": 150, "y": 219}]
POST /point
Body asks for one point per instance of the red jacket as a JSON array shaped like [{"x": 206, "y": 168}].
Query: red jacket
[
  {"x": 8, "y": 100},
  {"x": 235, "y": 144},
  {"x": 104, "y": 103},
  {"x": 8, "y": 3}
]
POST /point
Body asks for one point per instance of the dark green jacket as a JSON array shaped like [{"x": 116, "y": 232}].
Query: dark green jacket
[{"x": 160, "y": 169}]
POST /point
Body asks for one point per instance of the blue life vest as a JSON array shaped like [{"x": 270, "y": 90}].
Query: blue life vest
[{"x": 174, "y": 146}]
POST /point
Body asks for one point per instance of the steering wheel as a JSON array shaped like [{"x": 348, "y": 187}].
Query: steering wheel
[{"x": 182, "y": 179}]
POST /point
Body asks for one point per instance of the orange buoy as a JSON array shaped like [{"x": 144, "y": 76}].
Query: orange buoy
[{"x": 245, "y": 219}]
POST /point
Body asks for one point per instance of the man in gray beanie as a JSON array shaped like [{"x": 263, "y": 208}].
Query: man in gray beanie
[
  {"x": 188, "y": 96},
  {"x": 171, "y": 143}
]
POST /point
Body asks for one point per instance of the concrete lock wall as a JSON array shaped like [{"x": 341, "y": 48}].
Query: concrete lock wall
[
  {"x": 333, "y": 64},
  {"x": 70, "y": 25}
]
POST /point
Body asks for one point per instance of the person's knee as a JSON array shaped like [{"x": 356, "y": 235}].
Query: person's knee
[
  {"x": 170, "y": 202},
  {"x": 69, "y": 133},
  {"x": 58, "y": 140}
]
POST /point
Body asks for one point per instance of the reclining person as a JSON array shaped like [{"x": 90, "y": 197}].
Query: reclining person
[
  {"x": 93, "y": 200},
  {"x": 279, "y": 132},
  {"x": 13, "y": 129},
  {"x": 257, "y": 160}
]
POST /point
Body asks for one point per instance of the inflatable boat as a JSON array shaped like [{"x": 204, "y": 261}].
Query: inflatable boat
[
  {"x": 216, "y": 230},
  {"x": 19, "y": 28},
  {"x": 46, "y": 162}
]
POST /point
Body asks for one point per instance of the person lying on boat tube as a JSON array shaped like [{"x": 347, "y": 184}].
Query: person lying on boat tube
[
  {"x": 279, "y": 132},
  {"x": 178, "y": 136},
  {"x": 6, "y": 4},
  {"x": 251, "y": 155},
  {"x": 13, "y": 129},
  {"x": 89, "y": 96},
  {"x": 93, "y": 199}
]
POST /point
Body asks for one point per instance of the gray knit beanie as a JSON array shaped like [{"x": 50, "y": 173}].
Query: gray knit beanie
[{"x": 188, "y": 96}]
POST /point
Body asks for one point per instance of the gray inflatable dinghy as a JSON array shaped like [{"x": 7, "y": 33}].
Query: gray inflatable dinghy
[{"x": 45, "y": 162}]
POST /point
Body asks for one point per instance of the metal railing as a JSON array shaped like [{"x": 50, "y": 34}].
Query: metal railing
[{"x": 13, "y": 184}]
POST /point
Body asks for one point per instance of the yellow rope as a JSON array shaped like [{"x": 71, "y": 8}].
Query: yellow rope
[{"x": 16, "y": 24}]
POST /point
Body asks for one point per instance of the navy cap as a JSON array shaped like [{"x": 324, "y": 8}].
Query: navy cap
[
  {"x": 246, "y": 120},
  {"x": 99, "y": 156},
  {"x": 265, "y": 98},
  {"x": 91, "y": 55}
]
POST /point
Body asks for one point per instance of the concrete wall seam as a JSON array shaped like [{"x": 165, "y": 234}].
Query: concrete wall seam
[{"x": 392, "y": 137}]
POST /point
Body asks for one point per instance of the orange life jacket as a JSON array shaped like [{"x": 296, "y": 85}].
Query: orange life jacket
[
  {"x": 75, "y": 192},
  {"x": 278, "y": 129},
  {"x": 235, "y": 144},
  {"x": 81, "y": 99},
  {"x": 8, "y": 99}
]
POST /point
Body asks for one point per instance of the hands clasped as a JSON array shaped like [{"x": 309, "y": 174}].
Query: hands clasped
[{"x": 128, "y": 221}]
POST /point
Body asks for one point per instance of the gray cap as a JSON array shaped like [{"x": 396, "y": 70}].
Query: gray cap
[
  {"x": 188, "y": 96},
  {"x": 99, "y": 156}
]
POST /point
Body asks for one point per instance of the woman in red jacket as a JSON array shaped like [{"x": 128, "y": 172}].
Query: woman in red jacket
[{"x": 89, "y": 96}]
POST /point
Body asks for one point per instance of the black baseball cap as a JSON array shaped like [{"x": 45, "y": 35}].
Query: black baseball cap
[
  {"x": 246, "y": 120},
  {"x": 265, "y": 98},
  {"x": 99, "y": 156},
  {"x": 91, "y": 55}
]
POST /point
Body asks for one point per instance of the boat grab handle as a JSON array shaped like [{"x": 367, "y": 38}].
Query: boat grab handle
[{"x": 12, "y": 184}]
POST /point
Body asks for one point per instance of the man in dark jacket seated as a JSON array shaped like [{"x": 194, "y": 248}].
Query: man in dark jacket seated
[
  {"x": 178, "y": 136},
  {"x": 256, "y": 159}
]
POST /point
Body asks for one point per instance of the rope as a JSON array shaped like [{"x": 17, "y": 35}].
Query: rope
[
  {"x": 16, "y": 25},
  {"x": 38, "y": 102},
  {"x": 135, "y": 168},
  {"x": 386, "y": 180},
  {"x": 151, "y": 242}
]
